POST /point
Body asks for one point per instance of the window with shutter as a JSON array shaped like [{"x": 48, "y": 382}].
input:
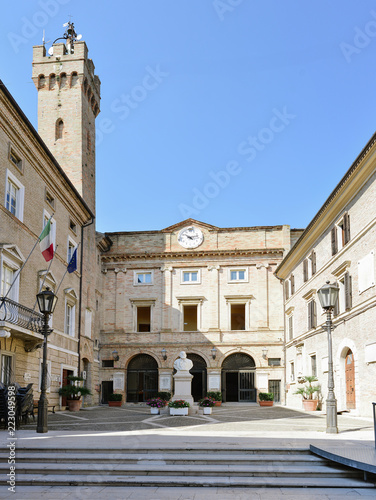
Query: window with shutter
[
  {"x": 334, "y": 241},
  {"x": 287, "y": 289},
  {"x": 313, "y": 261},
  {"x": 292, "y": 282},
  {"x": 291, "y": 327},
  {"x": 305, "y": 270},
  {"x": 346, "y": 228},
  {"x": 348, "y": 292},
  {"x": 314, "y": 316}
]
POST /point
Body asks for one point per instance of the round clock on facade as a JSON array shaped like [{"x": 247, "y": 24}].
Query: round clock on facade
[{"x": 190, "y": 237}]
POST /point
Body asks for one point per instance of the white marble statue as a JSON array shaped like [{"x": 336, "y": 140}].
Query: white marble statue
[{"x": 183, "y": 363}]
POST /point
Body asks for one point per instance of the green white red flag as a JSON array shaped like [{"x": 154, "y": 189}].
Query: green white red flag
[{"x": 47, "y": 241}]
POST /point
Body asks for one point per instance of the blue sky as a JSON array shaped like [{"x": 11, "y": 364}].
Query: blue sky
[{"x": 233, "y": 112}]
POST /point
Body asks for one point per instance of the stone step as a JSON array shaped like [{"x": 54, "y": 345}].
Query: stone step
[
  {"x": 189, "y": 481},
  {"x": 170, "y": 458},
  {"x": 160, "y": 469}
]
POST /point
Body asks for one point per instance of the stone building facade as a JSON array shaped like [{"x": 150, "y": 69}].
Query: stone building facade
[
  {"x": 338, "y": 245},
  {"x": 34, "y": 189},
  {"x": 206, "y": 290}
]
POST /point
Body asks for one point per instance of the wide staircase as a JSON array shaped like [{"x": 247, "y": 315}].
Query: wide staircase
[{"x": 171, "y": 467}]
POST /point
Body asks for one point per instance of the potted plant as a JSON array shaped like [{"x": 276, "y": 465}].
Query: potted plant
[
  {"x": 155, "y": 405},
  {"x": 216, "y": 395},
  {"x": 73, "y": 393},
  {"x": 207, "y": 405},
  {"x": 266, "y": 398},
  {"x": 115, "y": 399},
  {"x": 166, "y": 396},
  {"x": 178, "y": 407},
  {"x": 307, "y": 392}
]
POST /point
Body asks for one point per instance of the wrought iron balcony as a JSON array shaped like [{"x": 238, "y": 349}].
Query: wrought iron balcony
[{"x": 17, "y": 314}]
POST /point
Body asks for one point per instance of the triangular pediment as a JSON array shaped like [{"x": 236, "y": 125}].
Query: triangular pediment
[
  {"x": 189, "y": 222},
  {"x": 13, "y": 253},
  {"x": 71, "y": 293},
  {"x": 48, "y": 279}
]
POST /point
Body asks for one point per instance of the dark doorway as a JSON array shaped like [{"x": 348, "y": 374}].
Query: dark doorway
[
  {"x": 107, "y": 389},
  {"x": 238, "y": 378},
  {"x": 199, "y": 376},
  {"x": 66, "y": 374},
  {"x": 142, "y": 378}
]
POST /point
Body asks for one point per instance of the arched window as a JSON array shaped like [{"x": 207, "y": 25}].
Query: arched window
[
  {"x": 41, "y": 82},
  {"x": 74, "y": 79},
  {"x": 63, "y": 80},
  {"x": 89, "y": 94},
  {"x": 59, "y": 129},
  {"x": 52, "y": 82}
]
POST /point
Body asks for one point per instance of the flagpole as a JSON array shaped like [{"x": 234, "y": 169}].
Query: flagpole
[
  {"x": 23, "y": 265},
  {"x": 66, "y": 269}
]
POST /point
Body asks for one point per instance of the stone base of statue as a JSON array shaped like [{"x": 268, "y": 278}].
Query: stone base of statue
[{"x": 183, "y": 384}]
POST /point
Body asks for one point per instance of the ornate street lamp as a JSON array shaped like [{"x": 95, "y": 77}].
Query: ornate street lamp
[
  {"x": 46, "y": 302},
  {"x": 115, "y": 355},
  {"x": 328, "y": 296},
  {"x": 213, "y": 352},
  {"x": 164, "y": 354},
  {"x": 264, "y": 352}
]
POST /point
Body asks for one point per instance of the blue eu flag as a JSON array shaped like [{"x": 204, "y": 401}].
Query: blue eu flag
[{"x": 72, "y": 266}]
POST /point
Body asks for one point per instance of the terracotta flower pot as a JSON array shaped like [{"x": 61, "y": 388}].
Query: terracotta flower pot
[
  {"x": 114, "y": 403},
  {"x": 266, "y": 403},
  {"x": 217, "y": 403},
  {"x": 74, "y": 404},
  {"x": 310, "y": 404}
]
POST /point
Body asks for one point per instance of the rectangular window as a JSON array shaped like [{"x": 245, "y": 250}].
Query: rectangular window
[
  {"x": 313, "y": 365},
  {"x": 237, "y": 316},
  {"x": 6, "y": 369},
  {"x": 50, "y": 199},
  {"x": 144, "y": 319},
  {"x": 7, "y": 277},
  {"x": 15, "y": 159},
  {"x": 70, "y": 249},
  {"x": 190, "y": 318},
  {"x": 312, "y": 317},
  {"x": 143, "y": 278},
  {"x": 309, "y": 266},
  {"x": 290, "y": 327},
  {"x": 14, "y": 195},
  {"x": 69, "y": 319},
  {"x": 190, "y": 276},
  {"x": 72, "y": 226},
  {"x": 238, "y": 275},
  {"x": 274, "y": 386},
  {"x": 292, "y": 371},
  {"x": 340, "y": 234},
  {"x": 107, "y": 363},
  {"x": 274, "y": 361}
]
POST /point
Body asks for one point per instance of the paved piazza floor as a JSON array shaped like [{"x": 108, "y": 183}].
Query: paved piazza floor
[{"x": 231, "y": 425}]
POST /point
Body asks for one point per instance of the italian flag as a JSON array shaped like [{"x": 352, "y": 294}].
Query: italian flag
[{"x": 47, "y": 241}]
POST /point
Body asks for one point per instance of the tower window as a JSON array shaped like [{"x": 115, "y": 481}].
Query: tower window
[
  {"x": 85, "y": 85},
  {"x": 88, "y": 141},
  {"x": 74, "y": 79},
  {"x": 63, "y": 80},
  {"x": 52, "y": 82},
  {"x": 42, "y": 82},
  {"x": 59, "y": 129}
]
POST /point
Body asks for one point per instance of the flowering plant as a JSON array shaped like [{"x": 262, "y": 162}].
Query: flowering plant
[
  {"x": 178, "y": 403},
  {"x": 206, "y": 402},
  {"x": 157, "y": 403}
]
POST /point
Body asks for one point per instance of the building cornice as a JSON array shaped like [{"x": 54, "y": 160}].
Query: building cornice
[{"x": 118, "y": 257}]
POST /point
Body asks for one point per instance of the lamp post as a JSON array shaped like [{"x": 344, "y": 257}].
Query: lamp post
[
  {"x": 328, "y": 296},
  {"x": 46, "y": 302}
]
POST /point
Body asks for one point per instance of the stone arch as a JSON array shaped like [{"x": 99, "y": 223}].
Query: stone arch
[
  {"x": 142, "y": 378},
  {"x": 52, "y": 81},
  {"x": 41, "y": 82},
  {"x": 63, "y": 80},
  {"x": 238, "y": 378},
  {"x": 74, "y": 79},
  {"x": 340, "y": 372},
  {"x": 59, "y": 129}
]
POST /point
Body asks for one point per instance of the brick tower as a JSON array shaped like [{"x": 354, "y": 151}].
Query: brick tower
[{"x": 68, "y": 103}]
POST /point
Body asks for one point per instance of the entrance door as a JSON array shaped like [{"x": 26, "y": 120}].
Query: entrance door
[
  {"x": 107, "y": 389},
  {"x": 142, "y": 378},
  {"x": 238, "y": 378},
  {"x": 350, "y": 380},
  {"x": 66, "y": 374}
]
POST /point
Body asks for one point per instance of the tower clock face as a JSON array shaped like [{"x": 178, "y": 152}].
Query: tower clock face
[{"x": 190, "y": 237}]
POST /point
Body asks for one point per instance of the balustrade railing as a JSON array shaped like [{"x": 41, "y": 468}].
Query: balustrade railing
[{"x": 19, "y": 315}]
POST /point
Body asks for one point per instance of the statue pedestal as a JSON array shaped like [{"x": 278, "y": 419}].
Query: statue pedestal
[{"x": 183, "y": 384}]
